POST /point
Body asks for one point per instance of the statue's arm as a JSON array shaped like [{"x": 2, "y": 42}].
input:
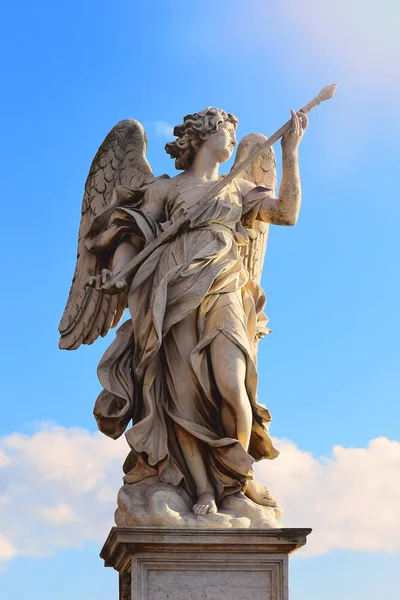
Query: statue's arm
[
  {"x": 285, "y": 209},
  {"x": 154, "y": 205},
  {"x": 120, "y": 254}
]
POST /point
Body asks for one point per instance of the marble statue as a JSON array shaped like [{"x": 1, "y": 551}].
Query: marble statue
[{"x": 181, "y": 375}]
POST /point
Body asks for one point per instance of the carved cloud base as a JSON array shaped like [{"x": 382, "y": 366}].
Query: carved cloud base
[
  {"x": 149, "y": 504},
  {"x": 190, "y": 564}
]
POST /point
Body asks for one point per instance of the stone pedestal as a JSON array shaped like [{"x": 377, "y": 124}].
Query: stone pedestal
[{"x": 193, "y": 564}]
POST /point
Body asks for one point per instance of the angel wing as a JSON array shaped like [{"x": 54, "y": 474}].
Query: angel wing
[
  {"x": 120, "y": 160},
  {"x": 262, "y": 171}
]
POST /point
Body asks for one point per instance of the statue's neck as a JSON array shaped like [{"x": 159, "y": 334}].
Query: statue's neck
[{"x": 204, "y": 166}]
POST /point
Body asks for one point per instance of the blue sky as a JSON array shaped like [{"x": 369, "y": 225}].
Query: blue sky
[{"x": 329, "y": 371}]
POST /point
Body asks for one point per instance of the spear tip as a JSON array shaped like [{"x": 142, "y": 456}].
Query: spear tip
[{"x": 327, "y": 92}]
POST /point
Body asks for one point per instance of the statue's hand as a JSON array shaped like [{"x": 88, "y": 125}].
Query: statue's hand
[
  {"x": 97, "y": 281},
  {"x": 291, "y": 139}
]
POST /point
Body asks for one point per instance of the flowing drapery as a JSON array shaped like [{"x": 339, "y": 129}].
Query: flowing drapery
[{"x": 158, "y": 371}]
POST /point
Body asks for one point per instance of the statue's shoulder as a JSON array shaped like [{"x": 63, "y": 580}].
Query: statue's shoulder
[
  {"x": 160, "y": 185},
  {"x": 155, "y": 197},
  {"x": 157, "y": 188}
]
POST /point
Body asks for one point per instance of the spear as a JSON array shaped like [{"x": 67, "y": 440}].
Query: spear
[{"x": 325, "y": 94}]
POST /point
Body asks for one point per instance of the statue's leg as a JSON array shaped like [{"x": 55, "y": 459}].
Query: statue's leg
[
  {"x": 228, "y": 420},
  {"x": 192, "y": 452},
  {"x": 178, "y": 347},
  {"x": 229, "y": 368}
]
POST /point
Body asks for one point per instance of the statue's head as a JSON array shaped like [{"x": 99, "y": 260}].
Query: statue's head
[{"x": 211, "y": 126}]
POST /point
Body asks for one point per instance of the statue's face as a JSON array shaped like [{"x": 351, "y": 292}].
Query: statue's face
[{"x": 222, "y": 141}]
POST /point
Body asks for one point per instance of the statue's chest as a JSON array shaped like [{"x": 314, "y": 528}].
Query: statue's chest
[{"x": 184, "y": 196}]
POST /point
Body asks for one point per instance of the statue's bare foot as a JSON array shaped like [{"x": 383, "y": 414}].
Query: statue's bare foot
[
  {"x": 260, "y": 494},
  {"x": 205, "y": 504}
]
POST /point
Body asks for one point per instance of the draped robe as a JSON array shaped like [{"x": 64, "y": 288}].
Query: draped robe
[{"x": 160, "y": 377}]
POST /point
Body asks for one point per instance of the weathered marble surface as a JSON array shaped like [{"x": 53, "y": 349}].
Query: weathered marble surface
[
  {"x": 199, "y": 580},
  {"x": 148, "y": 504},
  {"x": 167, "y": 564}
]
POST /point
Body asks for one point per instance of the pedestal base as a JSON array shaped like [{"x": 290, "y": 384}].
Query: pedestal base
[{"x": 190, "y": 564}]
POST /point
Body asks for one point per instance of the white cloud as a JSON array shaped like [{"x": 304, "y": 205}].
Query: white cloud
[
  {"x": 4, "y": 460},
  {"x": 7, "y": 551},
  {"x": 62, "y": 513},
  {"x": 359, "y": 35},
  {"x": 164, "y": 129},
  {"x": 58, "y": 489},
  {"x": 362, "y": 34},
  {"x": 351, "y": 499}
]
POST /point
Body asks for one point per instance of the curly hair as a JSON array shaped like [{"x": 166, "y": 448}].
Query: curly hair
[{"x": 194, "y": 130}]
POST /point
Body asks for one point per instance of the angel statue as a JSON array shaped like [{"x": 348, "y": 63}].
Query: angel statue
[{"x": 182, "y": 371}]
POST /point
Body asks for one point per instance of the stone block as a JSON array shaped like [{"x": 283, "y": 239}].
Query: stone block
[{"x": 179, "y": 564}]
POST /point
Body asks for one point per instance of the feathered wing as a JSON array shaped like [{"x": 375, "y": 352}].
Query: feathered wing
[
  {"x": 120, "y": 160},
  {"x": 262, "y": 171}
]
